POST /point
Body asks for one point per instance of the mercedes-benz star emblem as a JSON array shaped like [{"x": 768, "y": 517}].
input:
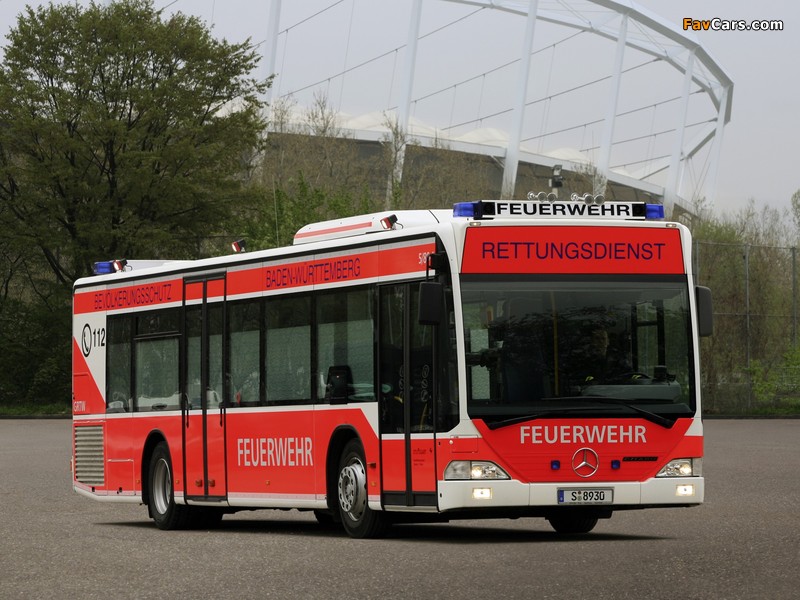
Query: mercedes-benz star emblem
[{"x": 585, "y": 462}]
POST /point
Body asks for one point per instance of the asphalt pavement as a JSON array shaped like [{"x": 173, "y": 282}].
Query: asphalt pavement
[{"x": 744, "y": 542}]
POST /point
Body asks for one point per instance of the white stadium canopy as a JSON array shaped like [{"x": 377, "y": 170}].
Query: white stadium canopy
[{"x": 599, "y": 84}]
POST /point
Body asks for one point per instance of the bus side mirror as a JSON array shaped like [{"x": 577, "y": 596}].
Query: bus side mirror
[
  {"x": 431, "y": 301},
  {"x": 705, "y": 312}
]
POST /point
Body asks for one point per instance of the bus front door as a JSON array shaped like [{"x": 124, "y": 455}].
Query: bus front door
[
  {"x": 405, "y": 355},
  {"x": 203, "y": 408}
]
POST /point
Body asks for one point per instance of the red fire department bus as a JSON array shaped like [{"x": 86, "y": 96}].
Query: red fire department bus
[{"x": 503, "y": 359}]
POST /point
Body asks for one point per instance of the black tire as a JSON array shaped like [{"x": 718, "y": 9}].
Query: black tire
[
  {"x": 358, "y": 519},
  {"x": 572, "y": 523},
  {"x": 161, "y": 492}
]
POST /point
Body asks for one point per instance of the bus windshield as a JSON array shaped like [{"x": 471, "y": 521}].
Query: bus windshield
[{"x": 561, "y": 347}]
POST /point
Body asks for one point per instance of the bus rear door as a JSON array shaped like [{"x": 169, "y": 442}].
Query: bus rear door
[{"x": 203, "y": 408}]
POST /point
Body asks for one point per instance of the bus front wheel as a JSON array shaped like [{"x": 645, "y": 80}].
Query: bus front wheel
[
  {"x": 358, "y": 519},
  {"x": 572, "y": 523}
]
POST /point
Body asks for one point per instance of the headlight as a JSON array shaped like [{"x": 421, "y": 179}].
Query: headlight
[
  {"x": 682, "y": 467},
  {"x": 474, "y": 469}
]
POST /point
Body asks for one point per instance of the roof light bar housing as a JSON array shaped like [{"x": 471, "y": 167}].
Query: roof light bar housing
[{"x": 586, "y": 206}]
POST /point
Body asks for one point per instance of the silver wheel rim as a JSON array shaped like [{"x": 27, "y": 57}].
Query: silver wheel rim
[
  {"x": 162, "y": 486},
  {"x": 353, "y": 489}
]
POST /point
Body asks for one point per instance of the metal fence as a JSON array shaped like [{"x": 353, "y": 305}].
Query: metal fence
[{"x": 749, "y": 365}]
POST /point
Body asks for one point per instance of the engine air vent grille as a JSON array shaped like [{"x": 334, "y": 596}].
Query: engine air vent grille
[{"x": 89, "y": 457}]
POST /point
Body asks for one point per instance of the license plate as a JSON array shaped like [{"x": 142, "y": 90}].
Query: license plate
[{"x": 585, "y": 496}]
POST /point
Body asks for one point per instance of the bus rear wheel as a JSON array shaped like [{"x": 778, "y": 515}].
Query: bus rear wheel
[
  {"x": 161, "y": 493},
  {"x": 358, "y": 519}
]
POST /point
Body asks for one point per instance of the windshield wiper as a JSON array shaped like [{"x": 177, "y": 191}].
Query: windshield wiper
[
  {"x": 650, "y": 416},
  {"x": 646, "y": 414},
  {"x": 545, "y": 413}
]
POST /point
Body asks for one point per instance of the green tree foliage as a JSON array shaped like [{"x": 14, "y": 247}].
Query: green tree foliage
[
  {"x": 776, "y": 387},
  {"x": 124, "y": 133},
  {"x": 795, "y": 201}
]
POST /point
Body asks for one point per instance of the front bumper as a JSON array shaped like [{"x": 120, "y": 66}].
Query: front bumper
[{"x": 661, "y": 491}]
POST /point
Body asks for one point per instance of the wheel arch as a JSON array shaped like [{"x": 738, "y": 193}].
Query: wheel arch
[
  {"x": 154, "y": 438},
  {"x": 339, "y": 439}
]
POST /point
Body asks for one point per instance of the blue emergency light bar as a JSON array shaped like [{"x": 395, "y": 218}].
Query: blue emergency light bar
[
  {"x": 490, "y": 209},
  {"x": 473, "y": 210},
  {"x": 106, "y": 267},
  {"x": 653, "y": 212}
]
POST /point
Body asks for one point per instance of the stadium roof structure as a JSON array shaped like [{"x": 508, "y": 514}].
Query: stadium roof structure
[{"x": 599, "y": 85}]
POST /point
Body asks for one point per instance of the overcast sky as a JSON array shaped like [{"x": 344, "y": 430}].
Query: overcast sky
[{"x": 760, "y": 153}]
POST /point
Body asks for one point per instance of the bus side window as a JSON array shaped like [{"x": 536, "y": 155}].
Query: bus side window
[
  {"x": 244, "y": 343},
  {"x": 288, "y": 350},
  {"x": 157, "y": 374},
  {"x": 156, "y": 360},
  {"x": 345, "y": 340},
  {"x": 118, "y": 364}
]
